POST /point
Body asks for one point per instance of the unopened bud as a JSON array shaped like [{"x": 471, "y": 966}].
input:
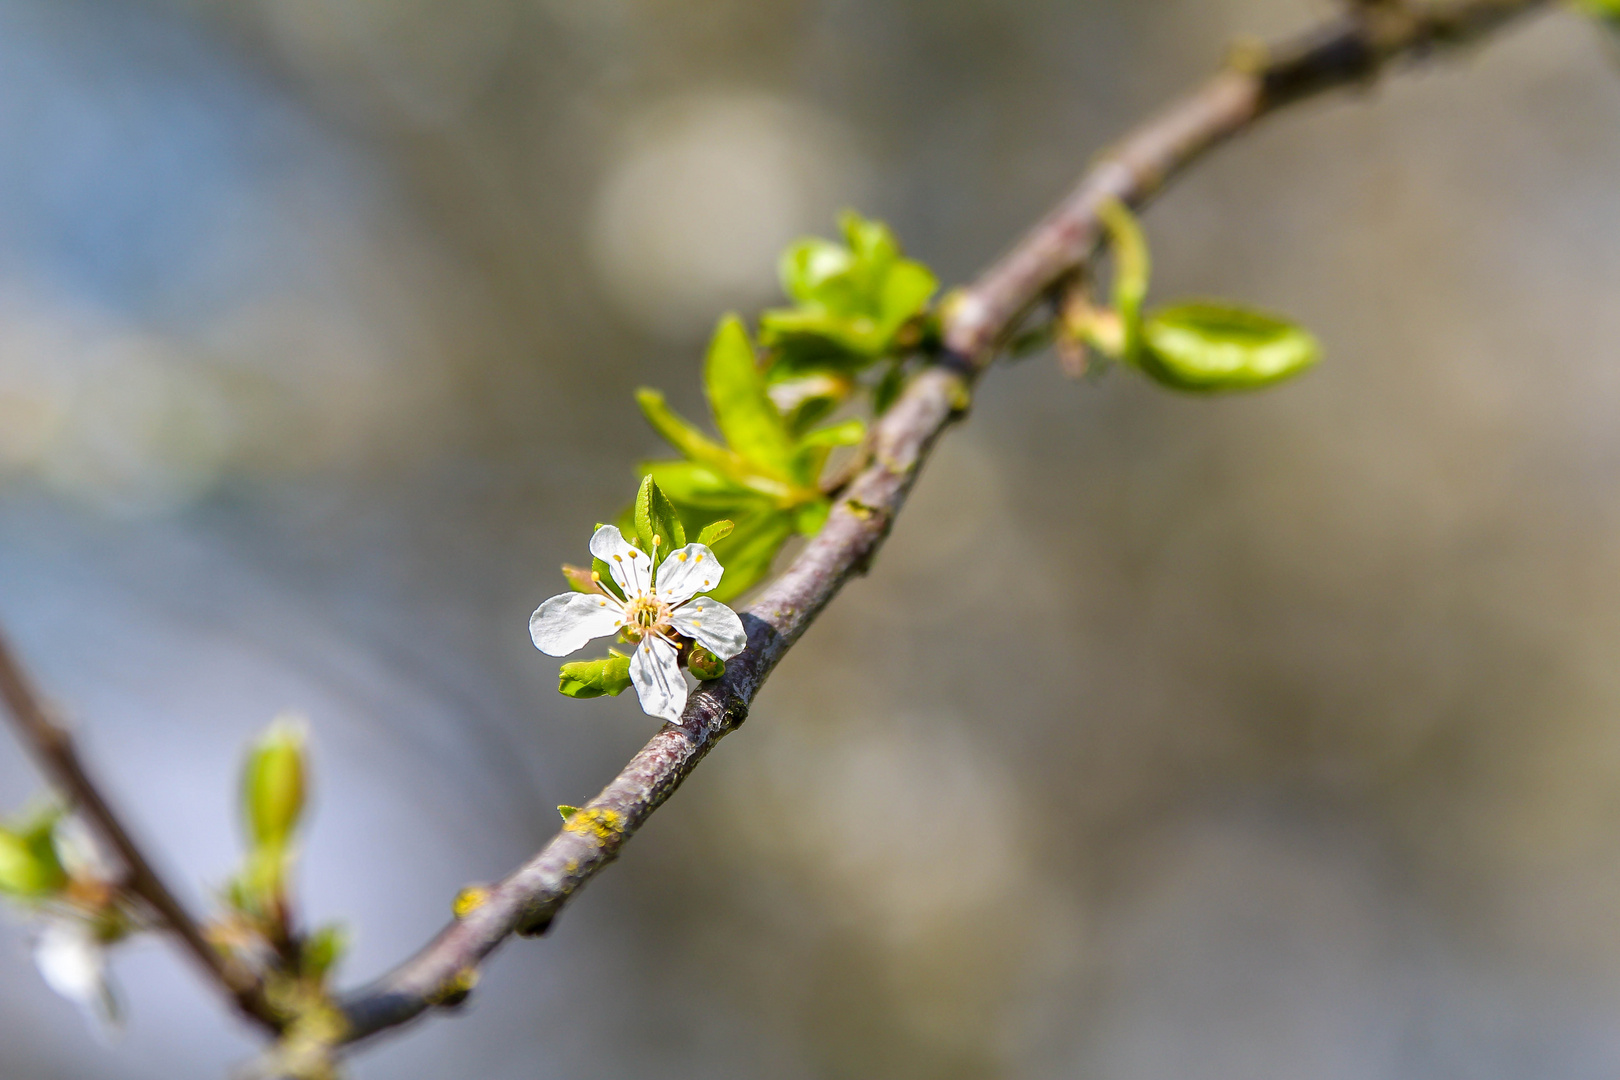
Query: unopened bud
[
  {"x": 704, "y": 664},
  {"x": 273, "y": 783}
]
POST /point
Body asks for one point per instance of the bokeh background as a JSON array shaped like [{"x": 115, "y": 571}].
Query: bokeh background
[{"x": 1264, "y": 737}]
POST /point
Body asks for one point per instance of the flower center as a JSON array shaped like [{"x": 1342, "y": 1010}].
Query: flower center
[{"x": 643, "y": 615}]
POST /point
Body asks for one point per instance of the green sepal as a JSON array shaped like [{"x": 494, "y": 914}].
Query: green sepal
[
  {"x": 714, "y": 532},
  {"x": 704, "y": 664},
  {"x": 743, "y": 410},
  {"x": 594, "y": 678},
  {"x": 658, "y": 526},
  {"x": 1211, "y": 347}
]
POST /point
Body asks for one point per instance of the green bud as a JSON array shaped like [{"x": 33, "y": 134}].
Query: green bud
[
  {"x": 594, "y": 678},
  {"x": 704, "y": 664},
  {"x": 567, "y": 811},
  {"x": 273, "y": 784},
  {"x": 1213, "y": 347},
  {"x": 323, "y": 949},
  {"x": 29, "y": 867}
]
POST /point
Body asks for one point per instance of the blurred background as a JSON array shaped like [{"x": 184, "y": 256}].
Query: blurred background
[{"x": 1261, "y": 737}]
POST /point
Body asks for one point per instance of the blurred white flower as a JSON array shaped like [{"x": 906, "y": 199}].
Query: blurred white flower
[
  {"x": 72, "y": 959},
  {"x": 658, "y": 605}
]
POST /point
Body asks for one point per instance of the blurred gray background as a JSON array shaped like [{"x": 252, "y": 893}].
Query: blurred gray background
[{"x": 1265, "y": 737}]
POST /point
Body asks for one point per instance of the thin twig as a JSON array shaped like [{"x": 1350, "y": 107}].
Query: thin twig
[
  {"x": 54, "y": 750},
  {"x": 1348, "y": 50}
]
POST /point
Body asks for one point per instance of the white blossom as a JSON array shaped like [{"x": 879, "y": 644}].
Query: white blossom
[
  {"x": 73, "y": 962},
  {"x": 659, "y": 603}
]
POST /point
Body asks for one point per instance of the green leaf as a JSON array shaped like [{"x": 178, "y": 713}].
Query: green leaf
[
  {"x": 809, "y": 518},
  {"x": 808, "y": 264},
  {"x": 748, "y": 552},
  {"x": 686, "y": 438},
  {"x": 714, "y": 532},
  {"x": 657, "y": 523},
  {"x": 689, "y": 484},
  {"x": 907, "y": 288},
  {"x": 742, "y": 409},
  {"x": 1208, "y": 346},
  {"x": 594, "y": 678},
  {"x": 567, "y": 811},
  {"x": 273, "y": 783},
  {"x": 814, "y": 447},
  {"x": 323, "y": 949}
]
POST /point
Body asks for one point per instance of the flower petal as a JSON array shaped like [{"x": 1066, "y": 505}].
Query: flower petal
[
  {"x": 630, "y": 567},
  {"x": 688, "y": 571},
  {"x": 74, "y": 965},
  {"x": 715, "y": 626},
  {"x": 565, "y": 623},
  {"x": 658, "y": 680}
]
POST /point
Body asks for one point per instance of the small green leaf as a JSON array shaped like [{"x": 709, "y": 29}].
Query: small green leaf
[
  {"x": 808, "y": 264},
  {"x": 814, "y": 447},
  {"x": 657, "y": 524},
  {"x": 594, "y": 678},
  {"x": 1211, "y": 346},
  {"x": 323, "y": 949},
  {"x": 714, "y": 532},
  {"x": 685, "y": 437},
  {"x": 748, "y": 552},
  {"x": 273, "y": 783},
  {"x": 704, "y": 664},
  {"x": 567, "y": 811},
  {"x": 906, "y": 292},
  {"x": 742, "y": 409},
  {"x": 809, "y": 518}
]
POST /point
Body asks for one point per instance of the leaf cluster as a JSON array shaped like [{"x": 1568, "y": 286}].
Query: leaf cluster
[{"x": 856, "y": 305}]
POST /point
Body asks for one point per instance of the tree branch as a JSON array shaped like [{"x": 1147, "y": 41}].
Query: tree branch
[
  {"x": 58, "y": 758},
  {"x": 1351, "y": 49}
]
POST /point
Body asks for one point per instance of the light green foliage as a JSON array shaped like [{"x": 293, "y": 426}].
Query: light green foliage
[
  {"x": 1198, "y": 346},
  {"x": 851, "y": 300},
  {"x": 1603, "y": 9},
  {"x": 273, "y": 784},
  {"x": 714, "y": 532},
  {"x": 658, "y": 528},
  {"x": 30, "y": 868},
  {"x": 594, "y": 678},
  {"x": 1211, "y": 346},
  {"x": 763, "y": 479}
]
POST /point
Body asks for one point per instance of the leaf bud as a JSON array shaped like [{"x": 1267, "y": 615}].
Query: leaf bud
[{"x": 273, "y": 783}]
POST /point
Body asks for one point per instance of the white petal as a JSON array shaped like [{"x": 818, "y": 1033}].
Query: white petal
[
  {"x": 565, "y": 623},
  {"x": 628, "y": 565},
  {"x": 688, "y": 571},
  {"x": 73, "y": 963},
  {"x": 658, "y": 680},
  {"x": 715, "y": 626}
]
